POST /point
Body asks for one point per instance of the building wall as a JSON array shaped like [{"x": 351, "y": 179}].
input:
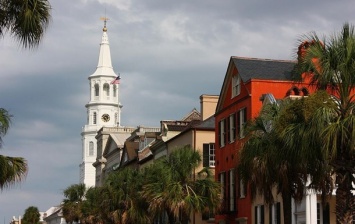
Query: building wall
[
  {"x": 227, "y": 156},
  {"x": 195, "y": 139}
]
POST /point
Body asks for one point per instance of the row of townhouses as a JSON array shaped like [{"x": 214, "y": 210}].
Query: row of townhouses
[{"x": 216, "y": 131}]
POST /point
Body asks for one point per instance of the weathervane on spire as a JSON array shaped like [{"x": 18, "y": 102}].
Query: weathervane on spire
[{"x": 105, "y": 20}]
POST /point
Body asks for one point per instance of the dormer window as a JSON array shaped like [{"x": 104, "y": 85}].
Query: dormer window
[{"x": 235, "y": 86}]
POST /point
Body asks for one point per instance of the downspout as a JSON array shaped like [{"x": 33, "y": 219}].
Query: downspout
[{"x": 194, "y": 140}]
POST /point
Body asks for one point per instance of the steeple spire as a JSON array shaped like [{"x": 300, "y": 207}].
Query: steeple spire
[{"x": 104, "y": 66}]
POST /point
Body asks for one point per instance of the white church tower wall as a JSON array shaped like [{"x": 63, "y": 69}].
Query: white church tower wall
[{"x": 103, "y": 108}]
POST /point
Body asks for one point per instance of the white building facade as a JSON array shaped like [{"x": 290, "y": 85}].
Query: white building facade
[{"x": 103, "y": 109}]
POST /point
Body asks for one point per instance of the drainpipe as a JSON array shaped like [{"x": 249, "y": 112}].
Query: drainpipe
[{"x": 194, "y": 139}]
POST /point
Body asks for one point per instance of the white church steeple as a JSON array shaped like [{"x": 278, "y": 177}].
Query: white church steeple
[
  {"x": 104, "y": 67},
  {"x": 103, "y": 108}
]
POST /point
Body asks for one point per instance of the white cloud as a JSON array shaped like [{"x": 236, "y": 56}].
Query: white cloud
[{"x": 168, "y": 54}]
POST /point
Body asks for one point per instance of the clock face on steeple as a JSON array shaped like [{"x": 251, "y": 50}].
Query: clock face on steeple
[{"x": 105, "y": 117}]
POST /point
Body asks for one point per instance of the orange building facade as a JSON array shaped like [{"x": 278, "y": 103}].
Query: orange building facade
[{"x": 246, "y": 84}]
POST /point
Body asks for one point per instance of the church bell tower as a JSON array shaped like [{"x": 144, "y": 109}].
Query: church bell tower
[{"x": 103, "y": 108}]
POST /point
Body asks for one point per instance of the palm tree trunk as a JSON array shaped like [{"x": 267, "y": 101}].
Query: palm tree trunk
[
  {"x": 345, "y": 200},
  {"x": 287, "y": 208},
  {"x": 171, "y": 217}
]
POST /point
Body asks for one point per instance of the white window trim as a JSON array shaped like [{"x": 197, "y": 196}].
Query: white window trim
[
  {"x": 211, "y": 148},
  {"x": 235, "y": 85}
]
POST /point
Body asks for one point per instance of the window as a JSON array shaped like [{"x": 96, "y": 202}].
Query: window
[
  {"x": 116, "y": 118},
  {"x": 242, "y": 189},
  {"x": 91, "y": 148},
  {"x": 242, "y": 119},
  {"x": 259, "y": 214},
  {"x": 96, "y": 89},
  {"x": 232, "y": 126},
  {"x": 222, "y": 181},
  {"x": 94, "y": 117},
  {"x": 222, "y": 132},
  {"x": 323, "y": 213},
  {"x": 235, "y": 86},
  {"x": 275, "y": 213},
  {"x": 114, "y": 91},
  {"x": 107, "y": 89},
  {"x": 208, "y": 155},
  {"x": 232, "y": 199}
]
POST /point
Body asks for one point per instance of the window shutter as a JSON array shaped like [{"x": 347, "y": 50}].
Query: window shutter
[
  {"x": 238, "y": 124},
  {"x": 235, "y": 126},
  {"x": 225, "y": 131},
  {"x": 245, "y": 114},
  {"x": 262, "y": 214},
  {"x": 278, "y": 212},
  {"x": 256, "y": 214},
  {"x": 219, "y": 133},
  {"x": 270, "y": 214},
  {"x": 205, "y": 156},
  {"x": 326, "y": 218}
]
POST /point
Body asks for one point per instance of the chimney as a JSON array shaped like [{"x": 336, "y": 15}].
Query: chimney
[{"x": 208, "y": 105}]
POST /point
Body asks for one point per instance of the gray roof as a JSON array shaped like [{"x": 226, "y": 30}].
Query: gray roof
[
  {"x": 207, "y": 124},
  {"x": 256, "y": 68}
]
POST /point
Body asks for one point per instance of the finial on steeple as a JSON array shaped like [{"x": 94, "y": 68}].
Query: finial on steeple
[{"x": 105, "y": 20}]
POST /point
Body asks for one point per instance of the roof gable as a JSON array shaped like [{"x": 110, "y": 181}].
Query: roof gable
[
  {"x": 115, "y": 141},
  {"x": 254, "y": 68}
]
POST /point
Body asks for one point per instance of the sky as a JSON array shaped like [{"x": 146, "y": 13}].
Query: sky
[{"x": 167, "y": 52}]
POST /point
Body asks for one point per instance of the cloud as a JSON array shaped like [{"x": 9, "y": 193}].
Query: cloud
[{"x": 168, "y": 54}]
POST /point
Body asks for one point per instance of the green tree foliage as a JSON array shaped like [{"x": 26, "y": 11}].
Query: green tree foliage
[
  {"x": 272, "y": 157},
  {"x": 74, "y": 196},
  {"x": 173, "y": 188},
  {"x": 331, "y": 64},
  {"x": 26, "y": 20},
  {"x": 31, "y": 215},
  {"x": 12, "y": 169},
  {"x": 166, "y": 188}
]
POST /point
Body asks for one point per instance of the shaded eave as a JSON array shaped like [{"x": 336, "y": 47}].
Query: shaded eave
[{"x": 206, "y": 125}]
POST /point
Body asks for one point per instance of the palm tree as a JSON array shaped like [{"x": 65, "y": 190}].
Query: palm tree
[
  {"x": 31, "y": 215},
  {"x": 122, "y": 196},
  {"x": 331, "y": 63},
  {"x": 26, "y": 20},
  {"x": 12, "y": 169},
  {"x": 173, "y": 188},
  {"x": 74, "y": 196},
  {"x": 268, "y": 161},
  {"x": 93, "y": 209},
  {"x": 263, "y": 168}
]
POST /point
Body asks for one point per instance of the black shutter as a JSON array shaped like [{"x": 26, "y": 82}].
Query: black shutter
[
  {"x": 270, "y": 214},
  {"x": 235, "y": 126},
  {"x": 244, "y": 121},
  {"x": 326, "y": 218},
  {"x": 206, "y": 155},
  {"x": 228, "y": 183},
  {"x": 238, "y": 124},
  {"x": 256, "y": 214},
  {"x": 262, "y": 214},
  {"x": 278, "y": 213},
  {"x": 219, "y": 133},
  {"x": 227, "y": 130}
]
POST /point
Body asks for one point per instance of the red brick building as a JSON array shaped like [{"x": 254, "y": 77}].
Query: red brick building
[{"x": 247, "y": 83}]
